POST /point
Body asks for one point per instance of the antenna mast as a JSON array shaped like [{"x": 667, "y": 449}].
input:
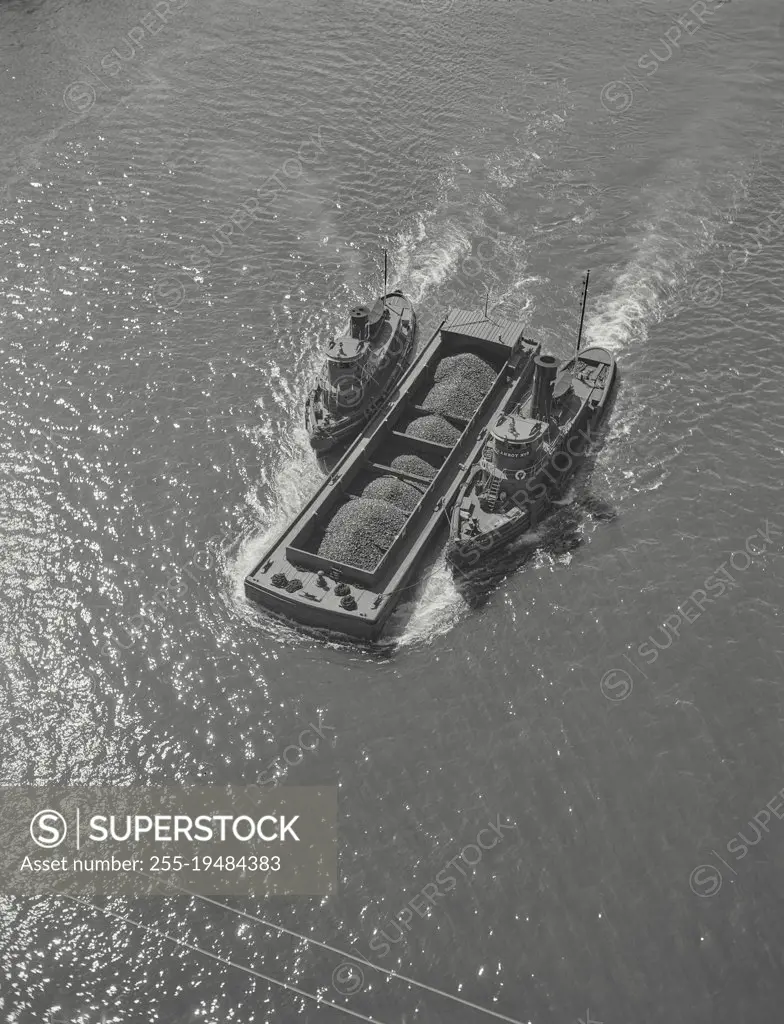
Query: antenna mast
[{"x": 582, "y": 317}]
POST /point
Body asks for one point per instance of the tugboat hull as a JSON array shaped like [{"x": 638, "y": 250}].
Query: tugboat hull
[
  {"x": 339, "y": 434},
  {"x": 579, "y": 403},
  {"x": 335, "y": 413}
]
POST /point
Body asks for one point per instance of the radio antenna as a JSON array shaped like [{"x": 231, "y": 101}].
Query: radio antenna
[{"x": 582, "y": 317}]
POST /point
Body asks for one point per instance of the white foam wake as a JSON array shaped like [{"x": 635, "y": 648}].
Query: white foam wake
[{"x": 423, "y": 260}]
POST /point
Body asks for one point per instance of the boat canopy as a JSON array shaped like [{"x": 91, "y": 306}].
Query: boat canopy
[
  {"x": 346, "y": 357},
  {"x": 517, "y": 445},
  {"x": 515, "y": 433}
]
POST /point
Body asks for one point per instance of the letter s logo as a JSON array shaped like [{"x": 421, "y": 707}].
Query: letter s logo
[{"x": 48, "y": 829}]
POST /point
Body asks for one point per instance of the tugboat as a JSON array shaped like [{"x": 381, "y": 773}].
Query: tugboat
[
  {"x": 531, "y": 451},
  {"x": 361, "y": 368}
]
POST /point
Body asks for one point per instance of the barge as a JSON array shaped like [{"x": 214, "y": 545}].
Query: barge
[{"x": 298, "y": 580}]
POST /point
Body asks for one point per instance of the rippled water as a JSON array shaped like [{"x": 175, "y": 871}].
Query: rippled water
[{"x": 151, "y": 441}]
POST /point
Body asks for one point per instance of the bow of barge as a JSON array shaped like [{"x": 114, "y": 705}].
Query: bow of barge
[{"x": 355, "y": 597}]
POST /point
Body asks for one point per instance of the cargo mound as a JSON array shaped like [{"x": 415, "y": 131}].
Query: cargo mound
[
  {"x": 361, "y": 532},
  {"x": 433, "y": 428},
  {"x": 460, "y": 383},
  {"x": 395, "y": 491},
  {"x": 467, "y": 365},
  {"x": 416, "y": 465},
  {"x": 455, "y": 398}
]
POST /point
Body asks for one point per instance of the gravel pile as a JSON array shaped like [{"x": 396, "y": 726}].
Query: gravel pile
[
  {"x": 453, "y": 398},
  {"x": 433, "y": 428},
  {"x": 465, "y": 365},
  {"x": 461, "y": 382},
  {"x": 420, "y": 466},
  {"x": 361, "y": 531},
  {"x": 395, "y": 491}
]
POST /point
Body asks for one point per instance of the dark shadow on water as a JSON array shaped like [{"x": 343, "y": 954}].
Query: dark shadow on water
[{"x": 559, "y": 533}]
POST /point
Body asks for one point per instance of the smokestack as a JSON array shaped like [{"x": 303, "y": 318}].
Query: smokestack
[
  {"x": 544, "y": 377},
  {"x": 359, "y": 321}
]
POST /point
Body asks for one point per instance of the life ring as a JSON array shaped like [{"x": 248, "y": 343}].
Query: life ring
[{"x": 520, "y": 474}]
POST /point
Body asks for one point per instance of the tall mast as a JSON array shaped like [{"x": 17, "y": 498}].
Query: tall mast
[
  {"x": 385, "y": 278},
  {"x": 582, "y": 317}
]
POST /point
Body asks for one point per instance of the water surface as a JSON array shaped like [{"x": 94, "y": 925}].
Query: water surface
[{"x": 154, "y": 371}]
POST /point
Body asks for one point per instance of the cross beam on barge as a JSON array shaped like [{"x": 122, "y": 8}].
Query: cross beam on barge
[{"x": 295, "y": 582}]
